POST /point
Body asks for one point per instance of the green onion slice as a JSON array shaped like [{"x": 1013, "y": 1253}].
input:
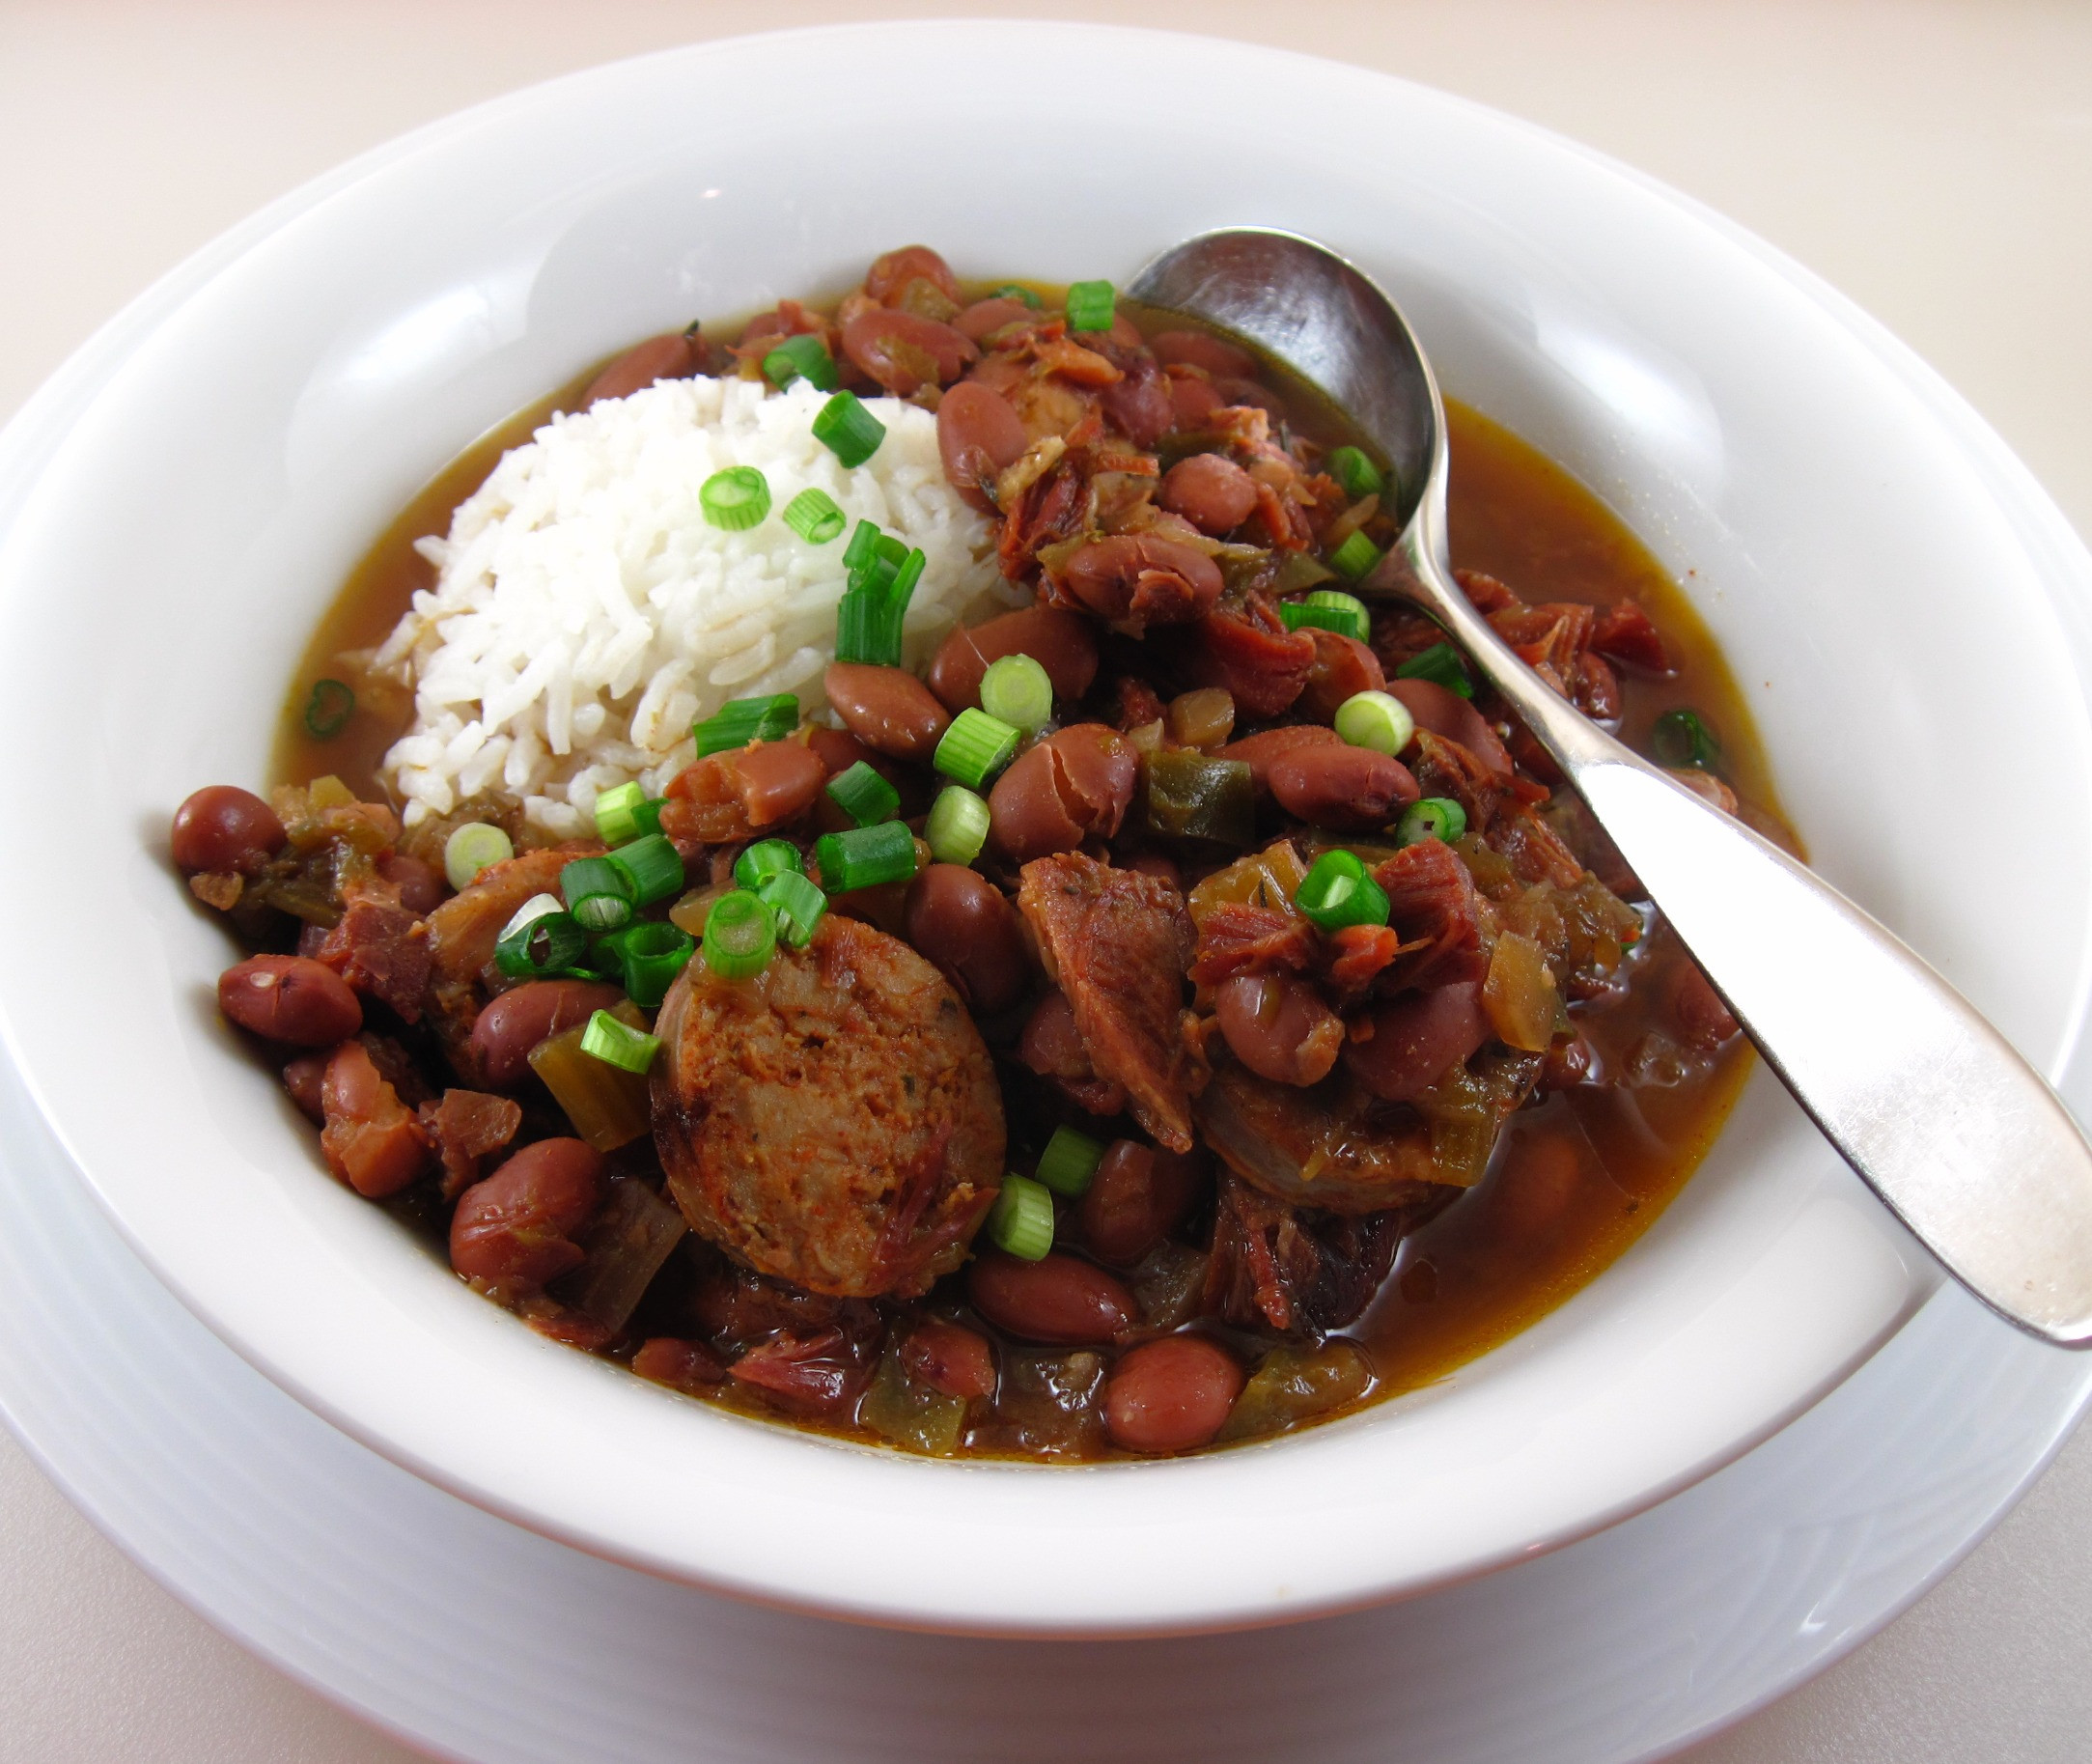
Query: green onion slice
[
  {"x": 651, "y": 956},
  {"x": 1069, "y": 1163},
  {"x": 1012, "y": 290},
  {"x": 802, "y": 357},
  {"x": 1329, "y": 609},
  {"x": 1430, "y": 817},
  {"x": 865, "y": 796},
  {"x": 1355, "y": 470},
  {"x": 864, "y": 856},
  {"x": 1090, "y": 306},
  {"x": 957, "y": 829},
  {"x": 741, "y": 934},
  {"x": 863, "y": 546},
  {"x": 799, "y": 906},
  {"x": 548, "y": 943},
  {"x": 651, "y": 866},
  {"x": 470, "y": 849},
  {"x": 328, "y": 709},
  {"x": 617, "y": 814},
  {"x": 1356, "y": 557},
  {"x": 814, "y": 517},
  {"x": 735, "y": 498},
  {"x": 1017, "y": 691},
  {"x": 975, "y": 747},
  {"x": 1336, "y": 892},
  {"x": 1023, "y": 1220},
  {"x": 766, "y": 858},
  {"x": 741, "y": 721},
  {"x": 1377, "y": 720},
  {"x": 618, "y": 1043},
  {"x": 598, "y": 893},
  {"x": 1441, "y": 665},
  {"x": 1682, "y": 738},
  {"x": 848, "y": 429}
]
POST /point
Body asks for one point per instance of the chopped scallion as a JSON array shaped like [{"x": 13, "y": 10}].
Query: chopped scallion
[
  {"x": 619, "y": 814},
  {"x": 1022, "y": 1220},
  {"x": 957, "y": 829},
  {"x": 975, "y": 747},
  {"x": 766, "y": 858},
  {"x": 1336, "y": 892},
  {"x": 1356, "y": 557},
  {"x": 864, "y": 856},
  {"x": 651, "y": 866},
  {"x": 328, "y": 709},
  {"x": 741, "y": 721},
  {"x": 865, "y": 796},
  {"x": 1441, "y": 665},
  {"x": 802, "y": 357},
  {"x": 1069, "y": 1163},
  {"x": 863, "y": 546},
  {"x": 548, "y": 943},
  {"x": 650, "y": 958},
  {"x": 1328, "y": 609},
  {"x": 617, "y": 1043},
  {"x": 1432, "y": 818},
  {"x": 735, "y": 498},
  {"x": 1017, "y": 691},
  {"x": 799, "y": 906},
  {"x": 1012, "y": 290},
  {"x": 1355, "y": 470},
  {"x": 470, "y": 849},
  {"x": 598, "y": 893},
  {"x": 1377, "y": 720},
  {"x": 741, "y": 934},
  {"x": 1090, "y": 306},
  {"x": 814, "y": 517},
  {"x": 1682, "y": 738},
  {"x": 848, "y": 429}
]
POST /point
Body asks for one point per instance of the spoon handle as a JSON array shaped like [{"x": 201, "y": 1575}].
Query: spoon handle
[{"x": 1962, "y": 1140}]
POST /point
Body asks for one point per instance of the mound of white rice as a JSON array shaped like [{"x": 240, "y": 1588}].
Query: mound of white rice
[{"x": 585, "y": 612}]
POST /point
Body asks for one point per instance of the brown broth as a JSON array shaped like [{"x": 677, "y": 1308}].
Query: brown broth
[{"x": 1576, "y": 1177}]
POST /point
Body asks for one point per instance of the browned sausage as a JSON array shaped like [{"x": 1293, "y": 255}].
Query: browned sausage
[
  {"x": 1416, "y": 1039},
  {"x": 1060, "y": 1299},
  {"x": 224, "y": 828},
  {"x": 1063, "y": 643},
  {"x": 518, "y": 1020},
  {"x": 1349, "y": 788},
  {"x": 1280, "y": 1027},
  {"x": 515, "y": 1229},
  {"x": 1171, "y": 1395},
  {"x": 1210, "y": 491},
  {"x": 965, "y": 927},
  {"x": 289, "y": 999}
]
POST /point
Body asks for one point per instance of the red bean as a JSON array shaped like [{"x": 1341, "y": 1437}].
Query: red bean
[
  {"x": 1572, "y": 1060},
  {"x": 903, "y": 353},
  {"x": 421, "y": 885},
  {"x": 1141, "y": 403},
  {"x": 887, "y": 709},
  {"x": 1138, "y": 1196},
  {"x": 984, "y": 318},
  {"x": 1192, "y": 401},
  {"x": 1350, "y": 788},
  {"x": 371, "y": 1139},
  {"x": 1262, "y": 751},
  {"x": 1063, "y": 643},
  {"x": 670, "y": 356},
  {"x": 892, "y": 272},
  {"x": 518, "y": 1020},
  {"x": 514, "y": 1229},
  {"x": 1060, "y": 1299},
  {"x": 1446, "y": 712},
  {"x": 1416, "y": 1039},
  {"x": 1198, "y": 349},
  {"x": 224, "y": 828},
  {"x": 1074, "y": 785},
  {"x": 1210, "y": 491},
  {"x": 1344, "y": 667},
  {"x": 1280, "y": 1027},
  {"x": 1171, "y": 1395},
  {"x": 303, "y": 1077},
  {"x": 1142, "y": 581},
  {"x": 964, "y": 927},
  {"x": 1703, "y": 1021},
  {"x": 837, "y": 750},
  {"x": 1246, "y": 648},
  {"x": 948, "y": 1357},
  {"x": 289, "y": 999},
  {"x": 978, "y": 435}
]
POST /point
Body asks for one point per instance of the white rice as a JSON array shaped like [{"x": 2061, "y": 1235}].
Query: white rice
[{"x": 585, "y": 612}]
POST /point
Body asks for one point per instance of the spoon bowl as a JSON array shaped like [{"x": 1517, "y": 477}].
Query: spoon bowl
[{"x": 1934, "y": 1110}]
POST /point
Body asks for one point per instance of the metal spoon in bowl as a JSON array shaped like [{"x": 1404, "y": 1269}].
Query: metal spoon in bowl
[{"x": 1934, "y": 1108}]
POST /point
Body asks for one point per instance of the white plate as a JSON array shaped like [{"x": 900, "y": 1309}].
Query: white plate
[{"x": 172, "y": 507}]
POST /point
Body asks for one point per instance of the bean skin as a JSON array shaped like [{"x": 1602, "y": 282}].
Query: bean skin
[
  {"x": 516, "y": 1020},
  {"x": 1060, "y": 1299},
  {"x": 903, "y": 353},
  {"x": 1260, "y": 751},
  {"x": 964, "y": 927},
  {"x": 371, "y": 1139},
  {"x": 515, "y": 1228},
  {"x": 1344, "y": 667},
  {"x": 948, "y": 1357},
  {"x": 1214, "y": 495},
  {"x": 1171, "y": 1395},
  {"x": 887, "y": 709},
  {"x": 1281, "y": 1029},
  {"x": 224, "y": 828},
  {"x": 1075, "y": 784},
  {"x": 978, "y": 435},
  {"x": 1416, "y": 1039},
  {"x": 1446, "y": 712},
  {"x": 892, "y": 272},
  {"x": 1138, "y": 1196},
  {"x": 291, "y": 999},
  {"x": 1063, "y": 643},
  {"x": 984, "y": 318},
  {"x": 670, "y": 356},
  {"x": 1140, "y": 580},
  {"x": 421, "y": 886},
  {"x": 1349, "y": 788}
]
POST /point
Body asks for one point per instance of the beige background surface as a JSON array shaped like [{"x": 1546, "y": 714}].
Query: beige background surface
[{"x": 1933, "y": 161}]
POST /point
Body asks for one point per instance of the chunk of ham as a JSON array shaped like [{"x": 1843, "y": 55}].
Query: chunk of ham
[{"x": 373, "y": 1141}]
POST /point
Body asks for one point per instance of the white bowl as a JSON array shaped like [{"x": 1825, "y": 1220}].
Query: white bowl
[{"x": 180, "y": 501}]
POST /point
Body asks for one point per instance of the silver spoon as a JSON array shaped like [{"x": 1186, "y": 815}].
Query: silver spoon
[{"x": 1945, "y": 1122}]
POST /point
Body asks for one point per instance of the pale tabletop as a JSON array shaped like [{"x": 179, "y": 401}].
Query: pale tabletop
[{"x": 1932, "y": 161}]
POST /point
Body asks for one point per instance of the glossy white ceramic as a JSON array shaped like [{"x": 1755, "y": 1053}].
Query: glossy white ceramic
[{"x": 180, "y": 500}]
